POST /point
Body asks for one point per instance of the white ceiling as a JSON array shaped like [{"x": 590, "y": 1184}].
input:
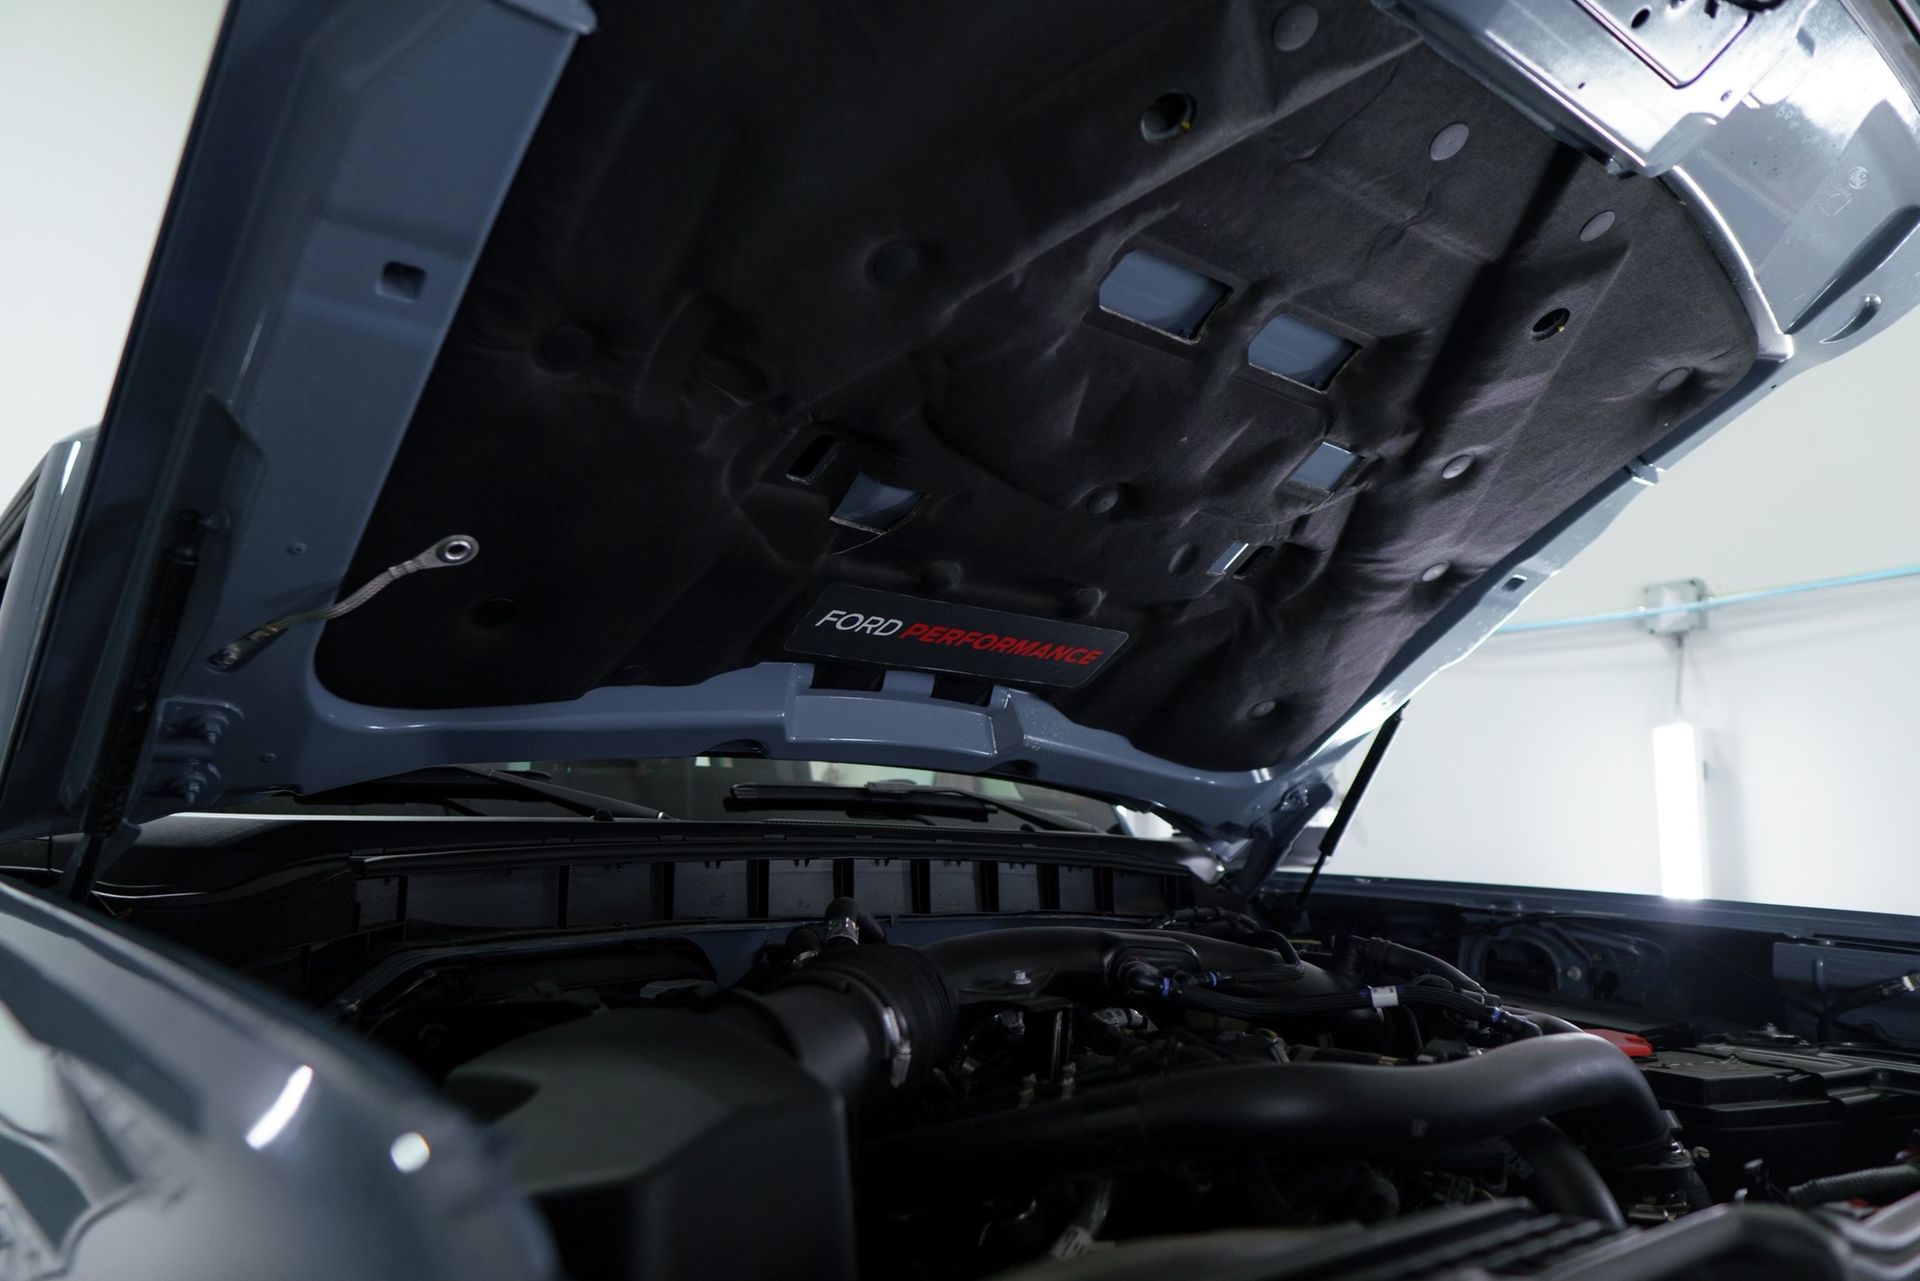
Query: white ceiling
[{"x": 95, "y": 96}]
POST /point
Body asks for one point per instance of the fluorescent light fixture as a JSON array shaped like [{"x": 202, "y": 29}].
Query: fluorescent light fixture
[
  {"x": 275, "y": 1118},
  {"x": 1679, "y": 802}
]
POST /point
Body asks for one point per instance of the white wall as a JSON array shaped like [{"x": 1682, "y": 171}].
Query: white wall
[
  {"x": 1531, "y": 762},
  {"x": 95, "y": 97}
]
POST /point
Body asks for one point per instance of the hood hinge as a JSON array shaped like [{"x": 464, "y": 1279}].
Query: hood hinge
[{"x": 1275, "y": 835}]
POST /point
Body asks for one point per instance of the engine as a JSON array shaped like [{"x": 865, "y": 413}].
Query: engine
[{"x": 1047, "y": 1099}]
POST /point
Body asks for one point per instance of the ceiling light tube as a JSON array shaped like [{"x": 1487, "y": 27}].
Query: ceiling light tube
[{"x": 1679, "y": 801}]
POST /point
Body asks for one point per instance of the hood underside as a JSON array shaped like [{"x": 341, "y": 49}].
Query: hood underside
[
  {"x": 765, "y": 262},
  {"x": 1141, "y": 400}
]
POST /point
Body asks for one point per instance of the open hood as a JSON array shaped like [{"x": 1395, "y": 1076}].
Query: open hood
[{"x": 1142, "y": 399}]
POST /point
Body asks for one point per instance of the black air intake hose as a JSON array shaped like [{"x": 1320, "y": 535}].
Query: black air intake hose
[
  {"x": 1263, "y": 1007},
  {"x": 1325, "y": 1107},
  {"x": 844, "y": 912},
  {"x": 1562, "y": 1177},
  {"x": 1878, "y": 1186},
  {"x": 870, "y": 1021}
]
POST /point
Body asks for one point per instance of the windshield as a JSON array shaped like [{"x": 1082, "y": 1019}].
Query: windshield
[{"x": 700, "y": 788}]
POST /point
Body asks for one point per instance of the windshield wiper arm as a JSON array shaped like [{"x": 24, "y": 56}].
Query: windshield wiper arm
[
  {"x": 589, "y": 803},
  {"x": 451, "y": 783},
  {"x": 1860, "y": 998},
  {"x": 905, "y": 800}
]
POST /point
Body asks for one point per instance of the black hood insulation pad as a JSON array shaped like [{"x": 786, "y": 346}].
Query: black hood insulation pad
[{"x": 760, "y": 252}]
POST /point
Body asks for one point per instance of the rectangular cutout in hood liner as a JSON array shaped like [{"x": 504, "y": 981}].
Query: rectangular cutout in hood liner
[{"x": 741, "y": 225}]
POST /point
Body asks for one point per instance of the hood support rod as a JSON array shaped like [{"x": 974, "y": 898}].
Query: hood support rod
[
  {"x": 1376, "y": 751},
  {"x": 115, "y": 776}
]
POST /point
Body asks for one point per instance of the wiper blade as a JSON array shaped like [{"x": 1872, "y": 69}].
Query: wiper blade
[
  {"x": 894, "y": 799},
  {"x": 453, "y": 783}
]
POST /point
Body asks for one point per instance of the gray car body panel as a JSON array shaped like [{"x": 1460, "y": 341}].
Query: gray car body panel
[
  {"x": 393, "y": 145},
  {"x": 157, "y": 1121}
]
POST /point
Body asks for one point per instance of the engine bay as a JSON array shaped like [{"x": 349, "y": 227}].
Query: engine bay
[{"x": 1050, "y": 1095}]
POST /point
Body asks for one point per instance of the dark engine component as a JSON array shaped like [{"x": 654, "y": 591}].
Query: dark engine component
[
  {"x": 641, "y": 1133},
  {"x": 1099, "y": 965},
  {"x": 1802, "y": 1112},
  {"x": 1509, "y": 1234},
  {"x": 1200, "y": 1098},
  {"x": 1311, "y": 1107},
  {"x": 869, "y": 1022},
  {"x": 1501, "y": 1238},
  {"x": 1877, "y": 1186},
  {"x": 1078, "y": 960},
  {"x": 1561, "y": 1175}
]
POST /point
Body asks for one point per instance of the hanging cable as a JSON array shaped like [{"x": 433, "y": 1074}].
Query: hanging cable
[
  {"x": 1679, "y": 674},
  {"x": 454, "y": 549}
]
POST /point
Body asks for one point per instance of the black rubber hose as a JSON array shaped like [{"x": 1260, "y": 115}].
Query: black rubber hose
[
  {"x": 1877, "y": 1186},
  {"x": 844, "y": 907},
  {"x": 870, "y": 1021},
  {"x": 1240, "y": 1006},
  {"x": 1563, "y": 1179},
  {"x": 1393, "y": 958},
  {"x": 1201, "y": 920},
  {"x": 1337, "y": 1107}
]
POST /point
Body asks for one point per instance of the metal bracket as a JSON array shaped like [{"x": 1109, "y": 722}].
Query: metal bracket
[
  {"x": 1678, "y": 38},
  {"x": 1277, "y": 835},
  {"x": 185, "y": 741},
  {"x": 1666, "y": 598}
]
